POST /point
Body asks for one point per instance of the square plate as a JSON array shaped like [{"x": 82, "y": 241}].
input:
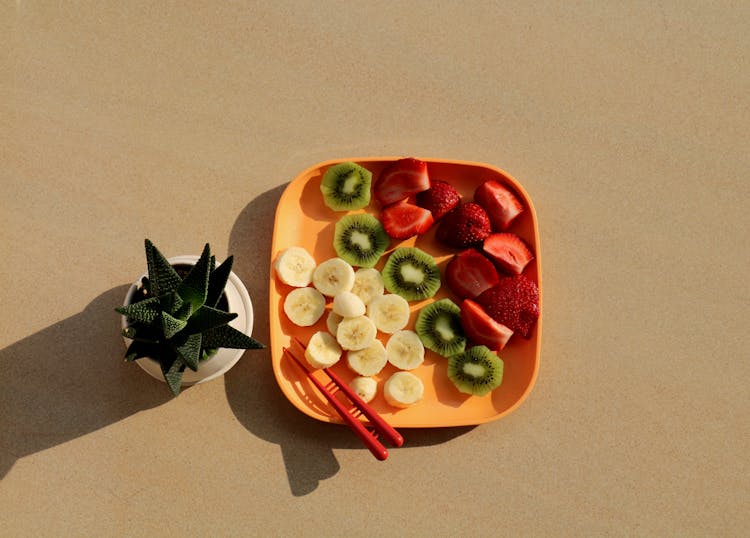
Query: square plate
[{"x": 303, "y": 219}]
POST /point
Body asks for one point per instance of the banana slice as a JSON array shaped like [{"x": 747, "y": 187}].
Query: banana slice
[
  {"x": 356, "y": 333},
  {"x": 295, "y": 266},
  {"x": 322, "y": 350},
  {"x": 368, "y": 361},
  {"x": 304, "y": 306},
  {"x": 333, "y": 276},
  {"x": 405, "y": 350},
  {"x": 389, "y": 312},
  {"x": 403, "y": 389},
  {"x": 368, "y": 284},
  {"x": 365, "y": 387},
  {"x": 348, "y": 305},
  {"x": 332, "y": 322}
]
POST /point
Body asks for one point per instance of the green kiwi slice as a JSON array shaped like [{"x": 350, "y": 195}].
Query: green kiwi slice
[
  {"x": 476, "y": 371},
  {"x": 346, "y": 186},
  {"x": 360, "y": 239},
  {"x": 439, "y": 328},
  {"x": 411, "y": 273}
]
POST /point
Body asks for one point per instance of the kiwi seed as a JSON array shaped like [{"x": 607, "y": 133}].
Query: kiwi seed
[
  {"x": 411, "y": 273},
  {"x": 360, "y": 239},
  {"x": 476, "y": 371},
  {"x": 346, "y": 186},
  {"x": 439, "y": 327}
]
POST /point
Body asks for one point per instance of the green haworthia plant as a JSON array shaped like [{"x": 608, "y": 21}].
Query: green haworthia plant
[{"x": 180, "y": 321}]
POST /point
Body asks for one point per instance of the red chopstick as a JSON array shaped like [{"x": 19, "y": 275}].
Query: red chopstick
[{"x": 376, "y": 421}]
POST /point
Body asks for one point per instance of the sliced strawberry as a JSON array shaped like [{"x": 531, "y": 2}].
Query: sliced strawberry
[
  {"x": 481, "y": 329},
  {"x": 440, "y": 198},
  {"x": 402, "y": 220},
  {"x": 501, "y": 204},
  {"x": 508, "y": 251},
  {"x": 401, "y": 179},
  {"x": 470, "y": 273},
  {"x": 464, "y": 226},
  {"x": 514, "y": 302}
]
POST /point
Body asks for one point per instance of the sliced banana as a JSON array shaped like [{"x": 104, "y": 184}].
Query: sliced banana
[
  {"x": 348, "y": 305},
  {"x": 389, "y": 312},
  {"x": 356, "y": 333},
  {"x": 368, "y": 284},
  {"x": 304, "y": 306},
  {"x": 322, "y": 350},
  {"x": 333, "y": 276},
  {"x": 368, "y": 361},
  {"x": 403, "y": 389},
  {"x": 332, "y": 322},
  {"x": 365, "y": 387},
  {"x": 405, "y": 350},
  {"x": 295, "y": 266}
]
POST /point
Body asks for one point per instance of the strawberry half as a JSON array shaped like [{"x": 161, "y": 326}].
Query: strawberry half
[
  {"x": 464, "y": 226},
  {"x": 481, "y": 329},
  {"x": 470, "y": 273},
  {"x": 400, "y": 180},
  {"x": 508, "y": 251},
  {"x": 501, "y": 204},
  {"x": 402, "y": 220},
  {"x": 440, "y": 198},
  {"x": 514, "y": 302}
]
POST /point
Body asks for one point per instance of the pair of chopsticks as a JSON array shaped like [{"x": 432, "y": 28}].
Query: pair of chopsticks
[{"x": 370, "y": 439}]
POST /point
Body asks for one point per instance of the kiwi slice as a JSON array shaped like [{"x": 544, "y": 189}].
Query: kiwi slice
[
  {"x": 439, "y": 327},
  {"x": 346, "y": 186},
  {"x": 411, "y": 273},
  {"x": 360, "y": 239},
  {"x": 476, "y": 371}
]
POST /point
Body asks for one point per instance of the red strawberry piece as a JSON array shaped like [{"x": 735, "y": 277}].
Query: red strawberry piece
[
  {"x": 470, "y": 273},
  {"x": 440, "y": 198},
  {"x": 464, "y": 226},
  {"x": 402, "y": 220},
  {"x": 501, "y": 204},
  {"x": 508, "y": 251},
  {"x": 400, "y": 180},
  {"x": 481, "y": 329},
  {"x": 514, "y": 302}
]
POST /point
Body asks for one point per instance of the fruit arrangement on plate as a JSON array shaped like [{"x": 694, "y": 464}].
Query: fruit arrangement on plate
[{"x": 415, "y": 282}]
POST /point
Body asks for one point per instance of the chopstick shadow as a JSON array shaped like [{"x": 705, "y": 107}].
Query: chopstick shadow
[
  {"x": 307, "y": 445},
  {"x": 69, "y": 380}
]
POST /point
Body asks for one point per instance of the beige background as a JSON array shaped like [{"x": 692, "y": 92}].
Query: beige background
[{"x": 182, "y": 122}]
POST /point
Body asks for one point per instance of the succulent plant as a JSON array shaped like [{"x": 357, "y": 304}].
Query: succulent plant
[{"x": 181, "y": 321}]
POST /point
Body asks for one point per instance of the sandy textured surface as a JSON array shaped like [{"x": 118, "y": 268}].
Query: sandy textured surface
[{"x": 183, "y": 121}]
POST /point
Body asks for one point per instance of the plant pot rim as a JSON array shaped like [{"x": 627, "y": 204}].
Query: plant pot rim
[{"x": 224, "y": 358}]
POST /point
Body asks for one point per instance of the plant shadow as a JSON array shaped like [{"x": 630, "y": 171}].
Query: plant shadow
[
  {"x": 306, "y": 444},
  {"x": 69, "y": 380}
]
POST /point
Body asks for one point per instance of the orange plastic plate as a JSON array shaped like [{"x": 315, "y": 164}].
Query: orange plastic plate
[{"x": 303, "y": 219}]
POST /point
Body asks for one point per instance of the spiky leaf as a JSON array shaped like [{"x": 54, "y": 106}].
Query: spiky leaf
[
  {"x": 190, "y": 351},
  {"x": 195, "y": 286},
  {"x": 173, "y": 374},
  {"x": 171, "y": 302},
  {"x": 184, "y": 311},
  {"x": 218, "y": 280},
  {"x": 208, "y": 318},
  {"x": 164, "y": 279},
  {"x": 229, "y": 337},
  {"x": 171, "y": 325},
  {"x": 141, "y": 333},
  {"x": 138, "y": 349},
  {"x": 145, "y": 311}
]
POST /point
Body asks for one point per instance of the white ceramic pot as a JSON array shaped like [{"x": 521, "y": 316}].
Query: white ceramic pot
[{"x": 224, "y": 358}]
